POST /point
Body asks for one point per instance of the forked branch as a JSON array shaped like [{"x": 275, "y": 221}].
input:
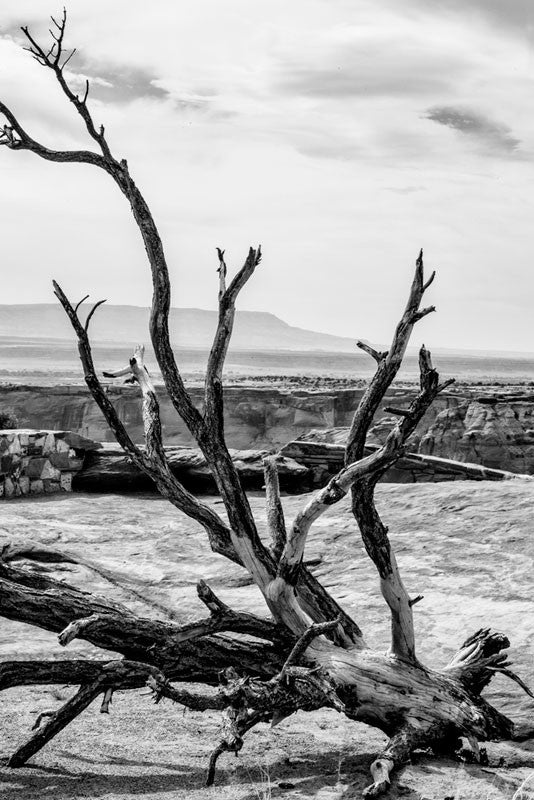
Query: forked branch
[
  {"x": 239, "y": 541},
  {"x": 153, "y": 462},
  {"x": 388, "y": 364},
  {"x": 55, "y": 59},
  {"x": 374, "y": 532}
]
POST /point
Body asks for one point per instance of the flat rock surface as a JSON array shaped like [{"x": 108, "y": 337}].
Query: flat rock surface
[{"x": 467, "y": 547}]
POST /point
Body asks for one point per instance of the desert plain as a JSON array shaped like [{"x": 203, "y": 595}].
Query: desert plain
[{"x": 466, "y": 546}]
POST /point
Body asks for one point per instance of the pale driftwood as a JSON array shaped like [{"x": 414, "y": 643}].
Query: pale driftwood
[{"x": 414, "y": 706}]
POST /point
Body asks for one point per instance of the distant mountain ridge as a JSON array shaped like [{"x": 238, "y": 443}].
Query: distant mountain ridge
[{"x": 190, "y": 328}]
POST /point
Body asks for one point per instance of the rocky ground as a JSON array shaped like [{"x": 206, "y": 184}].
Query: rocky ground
[{"x": 467, "y": 547}]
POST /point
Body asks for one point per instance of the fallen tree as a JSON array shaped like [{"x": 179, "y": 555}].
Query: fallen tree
[{"x": 309, "y": 654}]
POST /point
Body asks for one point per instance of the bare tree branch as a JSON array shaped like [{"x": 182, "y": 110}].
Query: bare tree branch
[
  {"x": 80, "y": 302},
  {"x": 52, "y": 60},
  {"x": 15, "y": 137},
  {"x": 222, "y": 270},
  {"x": 388, "y": 366},
  {"x": 91, "y": 313},
  {"x": 243, "y": 532},
  {"x": 33, "y": 551},
  {"x": 57, "y": 721},
  {"x": 374, "y": 532},
  {"x": 305, "y": 640},
  {"x": 212, "y": 440},
  {"x": 227, "y": 299},
  {"x": 378, "y": 355},
  {"x": 154, "y": 463},
  {"x": 275, "y": 511},
  {"x": 346, "y": 675}
]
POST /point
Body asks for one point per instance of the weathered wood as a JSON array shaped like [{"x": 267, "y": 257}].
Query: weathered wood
[
  {"x": 275, "y": 512},
  {"x": 53, "y": 605},
  {"x": 57, "y": 721}
]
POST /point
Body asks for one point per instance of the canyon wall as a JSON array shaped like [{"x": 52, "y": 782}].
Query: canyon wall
[
  {"x": 496, "y": 431},
  {"x": 262, "y": 418}
]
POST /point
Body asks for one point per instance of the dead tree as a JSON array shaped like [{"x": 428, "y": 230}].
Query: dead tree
[{"x": 309, "y": 653}]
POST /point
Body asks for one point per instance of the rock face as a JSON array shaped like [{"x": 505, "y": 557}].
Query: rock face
[
  {"x": 45, "y": 462},
  {"x": 499, "y": 434},
  {"x": 496, "y": 433},
  {"x": 323, "y": 452},
  {"x": 37, "y": 462},
  {"x": 259, "y": 418},
  {"x": 110, "y": 470}
]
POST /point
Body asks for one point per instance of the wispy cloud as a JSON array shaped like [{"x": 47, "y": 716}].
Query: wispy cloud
[
  {"x": 517, "y": 15},
  {"x": 405, "y": 189},
  {"x": 118, "y": 84},
  {"x": 492, "y": 135},
  {"x": 322, "y": 128},
  {"x": 371, "y": 64}
]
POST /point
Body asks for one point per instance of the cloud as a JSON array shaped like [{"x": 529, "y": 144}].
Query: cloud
[
  {"x": 110, "y": 82},
  {"x": 490, "y": 134},
  {"x": 118, "y": 83},
  {"x": 405, "y": 189},
  {"x": 513, "y": 14},
  {"x": 309, "y": 120},
  {"x": 372, "y": 65}
]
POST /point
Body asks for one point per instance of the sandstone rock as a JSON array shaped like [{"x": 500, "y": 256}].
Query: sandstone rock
[
  {"x": 325, "y": 459},
  {"x": 110, "y": 470},
  {"x": 64, "y": 461},
  {"x": 24, "y": 484},
  {"x": 254, "y": 417},
  {"x": 65, "y": 481},
  {"x": 50, "y": 472},
  {"x": 40, "y": 461},
  {"x": 49, "y": 444},
  {"x": 14, "y": 446},
  {"x": 77, "y": 441},
  {"x": 35, "y": 467},
  {"x": 6, "y": 463},
  {"x": 498, "y": 435}
]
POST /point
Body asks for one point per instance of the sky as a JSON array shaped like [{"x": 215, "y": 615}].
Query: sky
[{"x": 342, "y": 135}]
